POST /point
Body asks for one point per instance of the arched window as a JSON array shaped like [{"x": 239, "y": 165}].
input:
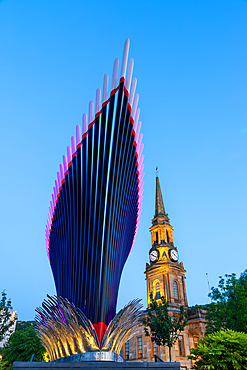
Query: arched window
[
  {"x": 175, "y": 289},
  {"x": 157, "y": 291}
]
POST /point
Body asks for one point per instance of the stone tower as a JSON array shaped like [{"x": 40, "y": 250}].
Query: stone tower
[{"x": 165, "y": 275}]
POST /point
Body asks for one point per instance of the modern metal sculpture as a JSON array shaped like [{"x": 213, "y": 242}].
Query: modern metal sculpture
[
  {"x": 65, "y": 331},
  {"x": 95, "y": 209}
]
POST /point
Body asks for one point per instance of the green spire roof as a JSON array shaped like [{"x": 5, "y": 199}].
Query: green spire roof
[{"x": 159, "y": 204}]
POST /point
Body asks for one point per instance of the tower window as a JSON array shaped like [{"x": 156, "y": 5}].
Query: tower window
[
  {"x": 167, "y": 236},
  {"x": 157, "y": 237},
  {"x": 126, "y": 350},
  {"x": 175, "y": 290},
  {"x": 139, "y": 347},
  {"x": 157, "y": 296}
]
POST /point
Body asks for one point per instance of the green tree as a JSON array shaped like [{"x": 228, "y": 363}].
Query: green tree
[
  {"x": 162, "y": 327},
  {"x": 222, "y": 350},
  {"x": 22, "y": 344},
  {"x": 228, "y": 309},
  {"x": 5, "y": 316}
]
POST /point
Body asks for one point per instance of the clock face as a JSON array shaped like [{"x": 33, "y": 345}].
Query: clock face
[
  {"x": 154, "y": 255},
  {"x": 173, "y": 255}
]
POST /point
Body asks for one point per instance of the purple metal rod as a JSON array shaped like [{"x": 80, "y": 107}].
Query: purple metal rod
[
  {"x": 132, "y": 91},
  {"x": 84, "y": 124},
  {"x": 98, "y": 101},
  {"x": 57, "y": 187},
  {"x": 138, "y": 130},
  {"x": 129, "y": 74},
  {"x": 73, "y": 144},
  {"x": 61, "y": 172},
  {"x": 105, "y": 88},
  {"x": 139, "y": 144},
  {"x": 59, "y": 179},
  {"x": 90, "y": 116},
  {"x": 125, "y": 58},
  {"x": 137, "y": 115},
  {"x": 65, "y": 163},
  {"x": 133, "y": 112},
  {"x": 69, "y": 155},
  {"x": 78, "y": 134},
  {"x": 114, "y": 75}
]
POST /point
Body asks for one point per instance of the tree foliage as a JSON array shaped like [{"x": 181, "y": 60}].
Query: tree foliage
[
  {"x": 228, "y": 309},
  {"x": 222, "y": 350},
  {"x": 22, "y": 344},
  {"x": 5, "y": 316},
  {"x": 162, "y": 327}
]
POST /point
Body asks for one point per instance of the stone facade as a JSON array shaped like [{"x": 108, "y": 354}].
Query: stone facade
[{"x": 165, "y": 276}]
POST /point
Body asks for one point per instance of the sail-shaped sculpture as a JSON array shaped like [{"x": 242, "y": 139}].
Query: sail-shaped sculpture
[{"x": 96, "y": 205}]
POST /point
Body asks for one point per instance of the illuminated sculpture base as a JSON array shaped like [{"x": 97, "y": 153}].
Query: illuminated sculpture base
[
  {"x": 68, "y": 335},
  {"x": 92, "y": 356}
]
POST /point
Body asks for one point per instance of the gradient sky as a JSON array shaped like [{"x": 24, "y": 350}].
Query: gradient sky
[{"x": 191, "y": 66}]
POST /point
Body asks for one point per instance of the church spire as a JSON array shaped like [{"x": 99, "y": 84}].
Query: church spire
[{"x": 159, "y": 204}]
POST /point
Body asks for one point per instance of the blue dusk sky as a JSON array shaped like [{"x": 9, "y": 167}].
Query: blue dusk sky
[{"x": 191, "y": 67}]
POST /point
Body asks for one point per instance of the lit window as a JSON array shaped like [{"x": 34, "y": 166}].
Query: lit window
[
  {"x": 139, "y": 347},
  {"x": 157, "y": 291},
  {"x": 175, "y": 289},
  {"x": 126, "y": 350},
  {"x": 181, "y": 345}
]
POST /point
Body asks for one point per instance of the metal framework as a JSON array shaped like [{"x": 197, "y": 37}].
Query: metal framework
[{"x": 96, "y": 205}]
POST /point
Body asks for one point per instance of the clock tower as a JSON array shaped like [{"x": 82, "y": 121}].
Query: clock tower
[{"x": 165, "y": 275}]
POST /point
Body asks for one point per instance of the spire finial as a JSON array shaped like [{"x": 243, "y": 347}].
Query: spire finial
[
  {"x": 157, "y": 171},
  {"x": 159, "y": 204}
]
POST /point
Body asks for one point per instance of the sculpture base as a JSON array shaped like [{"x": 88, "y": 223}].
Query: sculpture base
[
  {"x": 92, "y": 357},
  {"x": 96, "y": 365}
]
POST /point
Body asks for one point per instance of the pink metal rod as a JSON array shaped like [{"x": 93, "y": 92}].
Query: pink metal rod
[
  {"x": 132, "y": 91},
  {"x": 138, "y": 129},
  {"x": 137, "y": 115},
  {"x": 141, "y": 149},
  {"x": 105, "y": 88},
  {"x": 59, "y": 179},
  {"x": 141, "y": 177},
  {"x": 55, "y": 193},
  {"x": 139, "y": 144},
  {"x": 133, "y": 112},
  {"x": 125, "y": 58},
  {"x": 90, "y": 112},
  {"x": 140, "y": 162},
  {"x": 114, "y": 75},
  {"x": 61, "y": 172},
  {"x": 65, "y": 163},
  {"x": 98, "y": 101},
  {"x": 69, "y": 154},
  {"x": 73, "y": 144},
  {"x": 53, "y": 202},
  {"x": 129, "y": 74},
  {"x": 57, "y": 187},
  {"x": 84, "y": 124},
  {"x": 142, "y": 168},
  {"x": 78, "y": 134}
]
